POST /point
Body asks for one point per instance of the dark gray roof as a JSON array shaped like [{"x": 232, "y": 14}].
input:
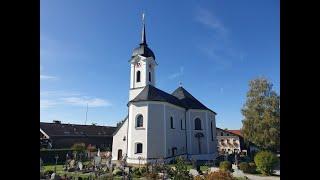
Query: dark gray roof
[
  {"x": 188, "y": 100},
  {"x": 144, "y": 51},
  {"x": 151, "y": 93},
  {"x": 58, "y": 129},
  {"x": 143, "y": 48},
  {"x": 179, "y": 97}
]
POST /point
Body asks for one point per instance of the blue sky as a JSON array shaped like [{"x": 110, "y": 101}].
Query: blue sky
[{"x": 213, "y": 47}]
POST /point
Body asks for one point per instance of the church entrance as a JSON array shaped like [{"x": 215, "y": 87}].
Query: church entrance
[{"x": 120, "y": 154}]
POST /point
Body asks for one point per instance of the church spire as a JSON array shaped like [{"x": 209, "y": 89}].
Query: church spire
[{"x": 143, "y": 37}]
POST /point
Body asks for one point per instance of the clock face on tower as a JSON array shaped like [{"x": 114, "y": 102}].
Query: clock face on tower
[{"x": 138, "y": 64}]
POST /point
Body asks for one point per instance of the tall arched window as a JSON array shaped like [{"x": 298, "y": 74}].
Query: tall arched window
[
  {"x": 171, "y": 122},
  {"x": 138, "y": 76},
  {"x": 149, "y": 76},
  {"x": 139, "y": 148},
  {"x": 197, "y": 124},
  {"x": 139, "y": 121}
]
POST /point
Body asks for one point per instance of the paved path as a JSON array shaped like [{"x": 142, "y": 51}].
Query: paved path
[{"x": 255, "y": 177}]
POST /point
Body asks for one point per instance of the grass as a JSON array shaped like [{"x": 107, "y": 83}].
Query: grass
[
  {"x": 202, "y": 168},
  {"x": 61, "y": 172}
]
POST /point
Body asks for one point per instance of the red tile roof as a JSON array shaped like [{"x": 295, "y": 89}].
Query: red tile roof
[{"x": 237, "y": 132}]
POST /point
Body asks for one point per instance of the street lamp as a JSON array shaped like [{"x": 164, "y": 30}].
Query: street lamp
[{"x": 55, "y": 167}]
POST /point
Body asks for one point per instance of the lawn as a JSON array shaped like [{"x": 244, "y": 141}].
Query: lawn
[
  {"x": 61, "y": 172},
  {"x": 202, "y": 168}
]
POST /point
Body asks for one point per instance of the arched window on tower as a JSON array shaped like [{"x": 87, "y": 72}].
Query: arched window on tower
[
  {"x": 138, "y": 76},
  {"x": 197, "y": 124},
  {"x": 139, "y": 122},
  {"x": 149, "y": 76}
]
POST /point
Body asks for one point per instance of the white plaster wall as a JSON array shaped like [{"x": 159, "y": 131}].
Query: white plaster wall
[
  {"x": 144, "y": 71},
  {"x": 193, "y": 140},
  {"x": 156, "y": 135},
  {"x": 118, "y": 143},
  {"x": 175, "y": 137},
  {"x": 212, "y": 142},
  {"x": 137, "y": 135},
  {"x": 137, "y": 87}
]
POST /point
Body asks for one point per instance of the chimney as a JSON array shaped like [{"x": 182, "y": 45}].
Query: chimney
[{"x": 56, "y": 122}]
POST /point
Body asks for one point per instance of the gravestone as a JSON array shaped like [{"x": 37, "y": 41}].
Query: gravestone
[
  {"x": 213, "y": 169},
  {"x": 80, "y": 166},
  {"x": 193, "y": 172},
  {"x": 238, "y": 173},
  {"x": 55, "y": 176},
  {"x": 234, "y": 166},
  {"x": 72, "y": 163},
  {"x": 97, "y": 160},
  {"x": 127, "y": 170}
]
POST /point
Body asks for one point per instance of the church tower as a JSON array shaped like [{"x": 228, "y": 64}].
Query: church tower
[{"x": 143, "y": 66}]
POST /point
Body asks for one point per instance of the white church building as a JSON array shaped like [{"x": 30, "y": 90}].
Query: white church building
[{"x": 161, "y": 125}]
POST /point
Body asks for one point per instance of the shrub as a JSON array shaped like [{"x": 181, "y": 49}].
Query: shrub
[
  {"x": 265, "y": 162},
  {"x": 253, "y": 167},
  {"x": 136, "y": 172},
  {"x": 143, "y": 170},
  {"x": 243, "y": 166},
  {"x": 181, "y": 170},
  {"x": 117, "y": 172},
  {"x": 151, "y": 175},
  {"x": 219, "y": 175},
  {"x": 198, "y": 178},
  {"x": 225, "y": 166},
  {"x": 48, "y": 172}
]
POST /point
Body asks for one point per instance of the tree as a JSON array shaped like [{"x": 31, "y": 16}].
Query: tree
[
  {"x": 261, "y": 124},
  {"x": 78, "y": 148}
]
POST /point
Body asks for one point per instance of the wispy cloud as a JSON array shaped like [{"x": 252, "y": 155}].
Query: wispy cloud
[
  {"x": 83, "y": 101},
  {"x": 208, "y": 19},
  {"x": 49, "y": 99},
  {"x": 57, "y": 94},
  {"x": 44, "y": 77},
  {"x": 45, "y": 103},
  {"x": 218, "y": 47},
  {"x": 177, "y": 74}
]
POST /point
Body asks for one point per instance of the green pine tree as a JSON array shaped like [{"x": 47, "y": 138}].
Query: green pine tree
[{"x": 261, "y": 124}]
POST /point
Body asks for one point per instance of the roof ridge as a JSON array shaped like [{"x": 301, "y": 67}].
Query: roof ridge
[{"x": 77, "y": 124}]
